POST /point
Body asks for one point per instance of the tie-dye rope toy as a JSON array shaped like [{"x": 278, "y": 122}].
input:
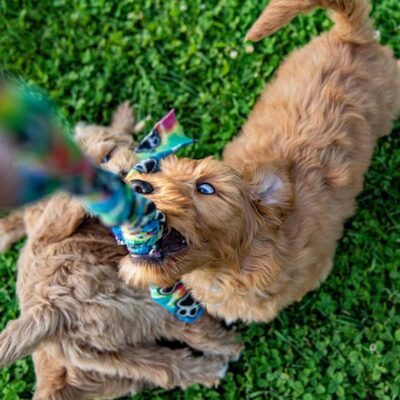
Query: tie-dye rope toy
[
  {"x": 49, "y": 160},
  {"x": 178, "y": 301}
]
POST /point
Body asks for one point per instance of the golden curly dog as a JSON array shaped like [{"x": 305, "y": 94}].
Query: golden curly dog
[
  {"x": 90, "y": 334},
  {"x": 259, "y": 229}
]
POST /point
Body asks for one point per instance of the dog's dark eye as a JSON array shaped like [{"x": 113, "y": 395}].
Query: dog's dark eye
[
  {"x": 106, "y": 158},
  {"x": 205, "y": 188},
  {"x": 141, "y": 187}
]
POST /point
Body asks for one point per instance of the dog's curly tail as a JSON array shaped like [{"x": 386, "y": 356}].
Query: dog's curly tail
[
  {"x": 21, "y": 336},
  {"x": 351, "y": 17}
]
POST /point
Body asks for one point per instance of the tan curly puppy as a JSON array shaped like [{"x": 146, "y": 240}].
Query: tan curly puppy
[
  {"x": 91, "y": 335},
  {"x": 258, "y": 230}
]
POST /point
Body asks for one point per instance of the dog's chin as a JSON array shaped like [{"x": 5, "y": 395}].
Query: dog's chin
[{"x": 159, "y": 267}]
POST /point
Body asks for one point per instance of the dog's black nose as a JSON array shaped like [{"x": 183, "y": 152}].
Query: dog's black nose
[
  {"x": 140, "y": 186},
  {"x": 123, "y": 173}
]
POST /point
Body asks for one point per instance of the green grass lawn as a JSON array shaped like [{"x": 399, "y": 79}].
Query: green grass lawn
[{"x": 341, "y": 341}]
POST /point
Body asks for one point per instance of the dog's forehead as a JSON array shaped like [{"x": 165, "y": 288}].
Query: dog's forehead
[
  {"x": 188, "y": 169},
  {"x": 88, "y": 131},
  {"x": 102, "y": 135}
]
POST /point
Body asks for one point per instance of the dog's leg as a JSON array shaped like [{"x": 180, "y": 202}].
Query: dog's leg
[
  {"x": 51, "y": 378},
  {"x": 157, "y": 365},
  {"x": 57, "y": 382},
  {"x": 67, "y": 393},
  {"x": 206, "y": 335},
  {"x": 12, "y": 229},
  {"x": 100, "y": 386}
]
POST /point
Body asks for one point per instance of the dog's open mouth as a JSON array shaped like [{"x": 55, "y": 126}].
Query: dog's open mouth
[{"x": 171, "y": 242}]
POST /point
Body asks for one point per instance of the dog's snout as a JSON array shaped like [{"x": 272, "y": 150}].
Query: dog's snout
[
  {"x": 123, "y": 173},
  {"x": 141, "y": 186}
]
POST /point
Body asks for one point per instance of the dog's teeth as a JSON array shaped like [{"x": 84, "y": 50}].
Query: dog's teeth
[{"x": 154, "y": 252}]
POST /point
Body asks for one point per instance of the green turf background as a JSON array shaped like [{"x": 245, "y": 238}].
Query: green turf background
[{"x": 342, "y": 341}]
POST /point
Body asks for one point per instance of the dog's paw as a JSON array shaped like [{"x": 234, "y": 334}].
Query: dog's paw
[
  {"x": 231, "y": 352},
  {"x": 216, "y": 369},
  {"x": 223, "y": 371},
  {"x": 235, "y": 352}
]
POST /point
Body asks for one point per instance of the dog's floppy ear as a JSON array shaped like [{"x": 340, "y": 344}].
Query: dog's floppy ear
[
  {"x": 269, "y": 185},
  {"x": 80, "y": 131},
  {"x": 123, "y": 119}
]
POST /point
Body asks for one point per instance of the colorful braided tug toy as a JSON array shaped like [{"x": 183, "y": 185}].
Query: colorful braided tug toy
[{"x": 48, "y": 160}]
